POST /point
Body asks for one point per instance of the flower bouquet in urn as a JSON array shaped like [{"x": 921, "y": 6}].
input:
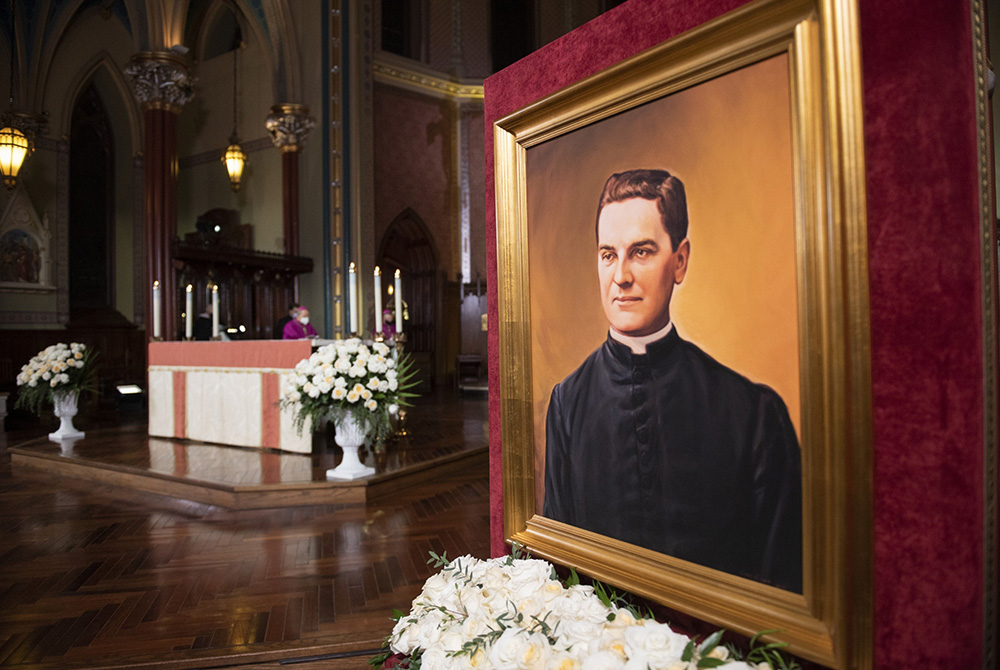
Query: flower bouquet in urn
[
  {"x": 58, "y": 370},
  {"x": 366, "y": 379}
]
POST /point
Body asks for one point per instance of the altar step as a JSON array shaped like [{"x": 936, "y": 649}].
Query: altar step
[{"x": 245, "y": 478}]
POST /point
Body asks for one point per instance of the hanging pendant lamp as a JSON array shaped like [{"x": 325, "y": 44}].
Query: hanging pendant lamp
[
  {"x": 13, "y": 150},
  {"x": 234, "y": 157},
  {"x": 14, "y": 146}
]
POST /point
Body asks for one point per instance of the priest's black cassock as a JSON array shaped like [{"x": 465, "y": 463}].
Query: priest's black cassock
[{"x": 673, "y": 451}]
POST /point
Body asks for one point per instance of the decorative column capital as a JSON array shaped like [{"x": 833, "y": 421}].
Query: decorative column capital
[
  {"x": 30, "y": 124},
  {"x": 160, "y": 80},
  {"x": 288, "y": 125}
]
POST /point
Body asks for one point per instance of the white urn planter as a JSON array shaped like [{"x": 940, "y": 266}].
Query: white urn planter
[
  {"x": 65, "y": 403},
  {"x": 350, "y": 436}
]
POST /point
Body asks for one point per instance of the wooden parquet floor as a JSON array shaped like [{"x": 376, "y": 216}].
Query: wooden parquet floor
[{"x": 92, "y": 577}]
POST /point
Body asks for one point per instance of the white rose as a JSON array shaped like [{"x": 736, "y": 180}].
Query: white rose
[
  {"x": 571, "y": 632},
  {"x": 339, "y": 393},
  {"x": 562, "y": 660},
  {"x": 356, "y": 371},
  {"x": 404, "y": 636},
  {"x": 393, "y": 384},
  {"x": 390, "y": 374},
  {"x": 603, "y": 660},
  {"x": 438, "y": 658},
  {"x": 373, "y": 383},
  {"x": 656, "y": 641},
  {"x": 340, "y": 382},
  {"x": 520, "y": 650},
  {"x": 371, "y": 405},
  {"x": 352, "y": 397},
  {"x": 366, "y": 394}
]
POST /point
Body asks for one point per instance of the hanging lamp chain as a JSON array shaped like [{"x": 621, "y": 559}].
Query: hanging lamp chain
[{"x": 236, "y": 54}]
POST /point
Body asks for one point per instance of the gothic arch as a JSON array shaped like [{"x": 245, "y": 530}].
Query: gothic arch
[
  {"x": 120, "y": 95},
  {"x": 407, "y": 245}
]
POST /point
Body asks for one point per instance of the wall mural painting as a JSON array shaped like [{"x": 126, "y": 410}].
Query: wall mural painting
[{"x": 20, "y": 260}]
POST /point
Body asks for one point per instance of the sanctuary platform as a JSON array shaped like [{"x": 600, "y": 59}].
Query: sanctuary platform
[{"x": 238, "y": 477}]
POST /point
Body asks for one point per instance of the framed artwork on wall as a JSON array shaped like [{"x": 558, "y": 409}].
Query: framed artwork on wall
[{"x": 684, "y": 330}]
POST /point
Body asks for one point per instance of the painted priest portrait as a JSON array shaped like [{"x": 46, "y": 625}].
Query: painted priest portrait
[{"x": 651, "y": 440}]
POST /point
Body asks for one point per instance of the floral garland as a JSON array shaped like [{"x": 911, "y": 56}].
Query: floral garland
[
  {"x": 59, "y": 368},
  {"x": 515, "y": 614},
  {"x": 367, "y": 379}
]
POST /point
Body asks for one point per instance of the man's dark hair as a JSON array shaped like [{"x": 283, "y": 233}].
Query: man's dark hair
[
  {"x": 659, "y": 186},
  {"x": 293, "y": 305}
]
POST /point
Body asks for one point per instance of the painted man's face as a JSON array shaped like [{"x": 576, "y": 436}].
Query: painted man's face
[{"x": 637, "y": 266}]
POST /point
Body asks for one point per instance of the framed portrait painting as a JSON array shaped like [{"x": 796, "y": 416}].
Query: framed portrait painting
[{"x": 684, "y": 333}]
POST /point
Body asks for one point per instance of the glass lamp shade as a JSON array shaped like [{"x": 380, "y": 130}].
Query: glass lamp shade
[
  {"x": 235, "y": 159},
  {"x": 13, "y": 149}
]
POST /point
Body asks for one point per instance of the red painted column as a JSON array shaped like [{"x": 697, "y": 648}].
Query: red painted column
[
  {"x": 162, "y": 84},
  {"x": 290, "y": 197}
]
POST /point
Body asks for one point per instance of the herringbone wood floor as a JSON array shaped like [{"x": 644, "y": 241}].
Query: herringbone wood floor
[{"x": 107, "y": 578}]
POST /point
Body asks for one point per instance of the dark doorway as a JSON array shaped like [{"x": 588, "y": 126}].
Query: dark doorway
[
  {"x": 91, "y": 208},
  {"x": 407, "y": 246}
]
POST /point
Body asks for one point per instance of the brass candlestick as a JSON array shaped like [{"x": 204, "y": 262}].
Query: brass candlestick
[{"x": 401, "y": 430}]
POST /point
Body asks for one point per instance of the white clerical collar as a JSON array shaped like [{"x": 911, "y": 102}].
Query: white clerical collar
[{"x": 638, "y": 344}]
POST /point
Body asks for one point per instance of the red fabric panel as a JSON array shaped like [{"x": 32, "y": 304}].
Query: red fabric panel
[
  {"x": 180, "y": 404},
  {"x": 615, "y": 35},
  {"x": 246, "y": 354},
  {"x": 926, "y": 330},
  {"x": 270, "y": 417},
  {"x": 926, "y": 320}
]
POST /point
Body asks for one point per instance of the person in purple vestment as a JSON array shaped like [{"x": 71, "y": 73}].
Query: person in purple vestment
[{"x": 299, "y": 328}]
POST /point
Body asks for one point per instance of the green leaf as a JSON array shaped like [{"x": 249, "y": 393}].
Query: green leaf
[
  {"x": 397, "y": 614},
  {"x": 688, "y": 652},
  {"x": 573, "y": 579},
  {"x": 710, "y": 642},
  {"x": 710, "y": 663},
  {"x": 379, "y": 660}
]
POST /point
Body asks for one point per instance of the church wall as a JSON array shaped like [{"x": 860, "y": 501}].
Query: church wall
[
  {"x": 308, "y": 21},
  {"x": 472, "y": 132},
  {"x": 476, "y": 39},
  {"x": 925, "y": 301},
  {"x": 203, "y": 132},
  {"x": 413, "y": 166},
  {"x": 91, "y": 49}
]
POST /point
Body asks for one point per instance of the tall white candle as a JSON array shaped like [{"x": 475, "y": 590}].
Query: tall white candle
[
  {"x": 188, "y": 308},
  {"x": 378, "y": 300},
  {"x": 352, "y": 298},
  {"x": 156, "y": 309},
  {"x": 215, "y": 310},
  {"x": 399, "y": 302}
]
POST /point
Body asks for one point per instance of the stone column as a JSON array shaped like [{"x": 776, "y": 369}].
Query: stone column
[
  {"x": 162, "y": 84},
  {"x": 288, "y": 125}
]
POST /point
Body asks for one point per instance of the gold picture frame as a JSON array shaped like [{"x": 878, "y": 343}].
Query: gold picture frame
[{"x": 831, "y": 621}]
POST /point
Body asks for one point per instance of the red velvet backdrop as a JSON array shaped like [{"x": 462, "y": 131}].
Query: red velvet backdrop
[{"x": 926, "y": 317}]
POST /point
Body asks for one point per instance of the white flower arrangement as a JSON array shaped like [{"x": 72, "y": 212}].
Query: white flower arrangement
[
  {"x": 515, "y": 614},
  {"x": 59, "y": 368},
  {"x": 368, "y": 379}
]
